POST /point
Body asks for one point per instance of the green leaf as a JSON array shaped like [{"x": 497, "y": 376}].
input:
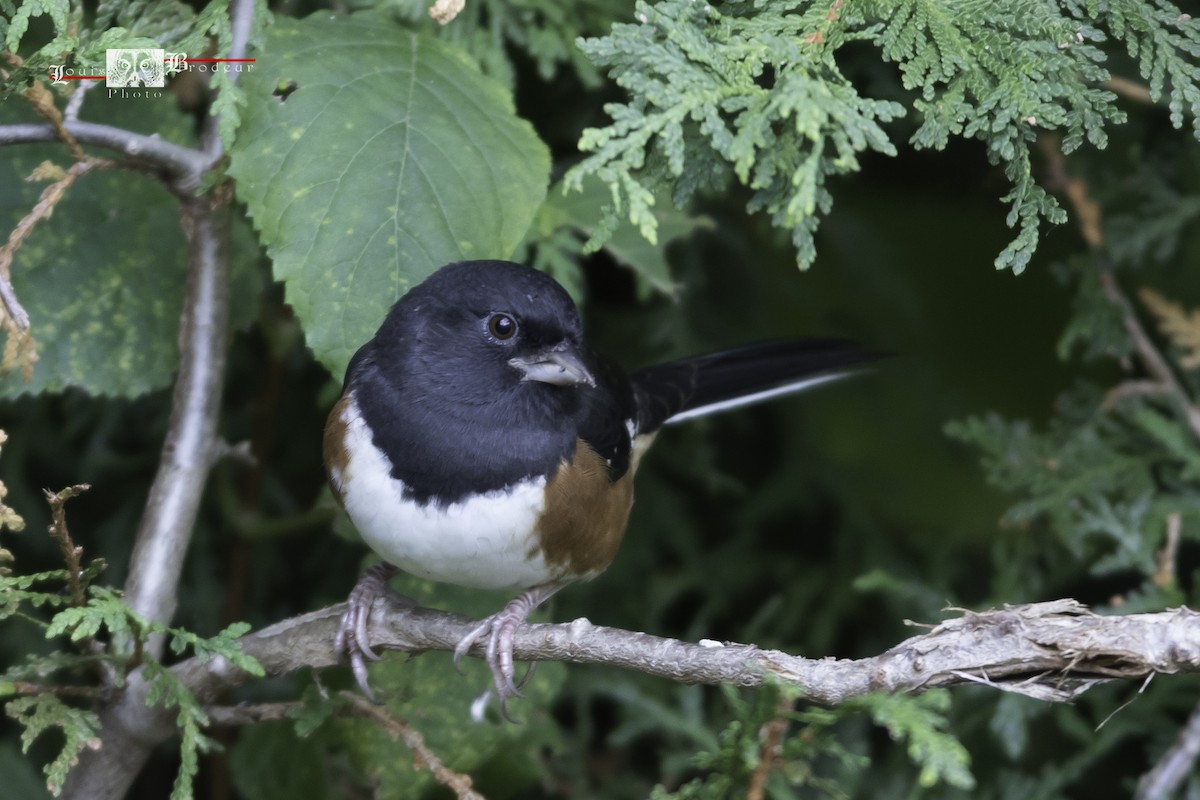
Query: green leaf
[
  {"x": 369, "y": 156},
  {"x": 102, "y": 279},
  {"x": 701, "y": 113}
]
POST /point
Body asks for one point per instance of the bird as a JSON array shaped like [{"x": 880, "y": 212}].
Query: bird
[{"x": 480, "y": 441}]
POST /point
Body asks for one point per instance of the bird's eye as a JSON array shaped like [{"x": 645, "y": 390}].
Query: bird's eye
[{"x": 502, "y": 326}]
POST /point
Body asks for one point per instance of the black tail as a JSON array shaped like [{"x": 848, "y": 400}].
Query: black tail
[{"x": 693, "y": 387}]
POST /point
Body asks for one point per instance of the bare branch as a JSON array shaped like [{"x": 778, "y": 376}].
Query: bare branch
[
  {"x": 241, "y": 19},
  {"x": 129, "y": 728},
  {"x": 234, "y": 716},
  {"x": 166, "y": 527},
  {"x": 1041, "y": 649},
  {"x": 182, "y": 167},
  {"x": 191, "y": 442},
  {"x": 1130, "y": 90},
  {"x": 1176, "y": 764}
]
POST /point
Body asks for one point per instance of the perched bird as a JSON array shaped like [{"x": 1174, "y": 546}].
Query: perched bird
[{"x": 479, "y": 441}]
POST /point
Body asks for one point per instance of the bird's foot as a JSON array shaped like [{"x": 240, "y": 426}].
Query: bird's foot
[
  {"x": 498, "y": 630},
  {"x": 351, "y": 638}
]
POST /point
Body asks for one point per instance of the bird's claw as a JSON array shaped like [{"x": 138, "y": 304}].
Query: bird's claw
[
  {"x": 498, "y": 631},
  {"x": 351, "y": 639}
]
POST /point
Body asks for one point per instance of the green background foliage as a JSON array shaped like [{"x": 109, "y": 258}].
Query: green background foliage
[{"x": 990, "y": 461}]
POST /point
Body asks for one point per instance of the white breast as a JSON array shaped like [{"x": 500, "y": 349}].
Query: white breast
[{"x": 487, "y": 542}]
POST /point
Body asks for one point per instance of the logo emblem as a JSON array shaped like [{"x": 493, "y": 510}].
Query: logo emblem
[{"x": 135, "y": 68}]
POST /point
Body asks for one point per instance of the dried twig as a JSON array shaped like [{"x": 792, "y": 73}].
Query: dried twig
[
  {"x": 51, "y": 196},
  {"x": 1087, "y": 210},
  {"x": 58, "y": 531},
  {"x": 1166, "y": 574},
  {"x": 770, "y": 749},
  {"x": 34, "y": 689},
  {"x": 20, "y": 347},
  {"x": 423, "y": 757},
  {"x": 42, "y": 101},
  {"x": 1130, "y": 90}
]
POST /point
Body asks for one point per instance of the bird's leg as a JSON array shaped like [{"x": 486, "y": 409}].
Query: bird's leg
[
  {"x": 499, "y": 629},
  {"x": 351, "y": 637}
]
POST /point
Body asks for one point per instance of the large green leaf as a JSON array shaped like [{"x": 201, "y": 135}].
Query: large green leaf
[
  {"x": 369, "y": 156},
  {"x": 103, "y": 278}
]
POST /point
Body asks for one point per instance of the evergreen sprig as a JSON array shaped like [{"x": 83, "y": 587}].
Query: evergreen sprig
[
  {"x": 753, "y": 92},
  {"x": 42, "y": 712},
  {"x": 105, "y": 612},
  {"x": 920, "y": 721},
  {"x": 1166, "y": 44},
  {"x": 169, "y": 692},
  {"x": 756, "y": 95},
  {"x": 1104, "y": 476}
]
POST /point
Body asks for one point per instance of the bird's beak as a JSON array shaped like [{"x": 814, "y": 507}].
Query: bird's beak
[{"x": 559, "y": 365}]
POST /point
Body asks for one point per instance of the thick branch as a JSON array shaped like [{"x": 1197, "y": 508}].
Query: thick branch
[
  {"x": 174, "y": 501},
  {"x": 189, "y": 448}
]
